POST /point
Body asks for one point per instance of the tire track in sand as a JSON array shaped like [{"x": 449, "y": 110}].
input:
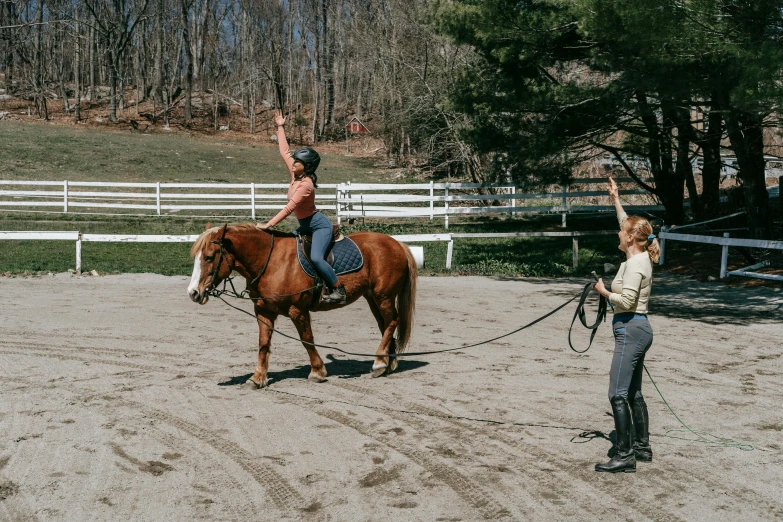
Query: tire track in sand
[
  {"x": 284, "y": 496},
  {"x": 546, "y": 483},
  {"x": 663, "y": 480},
  {"x": 49, "y": 347},
  {"x": 466, "y": 489}
]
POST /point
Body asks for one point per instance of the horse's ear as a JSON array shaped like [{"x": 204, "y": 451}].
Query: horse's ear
[{"x": 209, "y": 225}]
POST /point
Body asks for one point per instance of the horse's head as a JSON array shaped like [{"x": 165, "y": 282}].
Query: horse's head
[{"x": 213, "y": 262}]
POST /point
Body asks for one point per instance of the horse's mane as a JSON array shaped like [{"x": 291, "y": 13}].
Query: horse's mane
[{"x": 204, "y": 238}]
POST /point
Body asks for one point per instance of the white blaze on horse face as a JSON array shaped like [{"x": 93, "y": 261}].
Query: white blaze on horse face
[{"x": 196, "y": 277}]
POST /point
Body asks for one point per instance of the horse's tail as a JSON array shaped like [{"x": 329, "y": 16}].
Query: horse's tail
[{"x": 406, "y": 303}]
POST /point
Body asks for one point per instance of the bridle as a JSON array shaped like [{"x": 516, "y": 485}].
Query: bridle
[{"x": 211, "y": 288}]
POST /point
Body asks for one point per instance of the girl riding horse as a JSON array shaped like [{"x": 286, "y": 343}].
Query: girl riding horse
[{"x": 302, "y": 165}]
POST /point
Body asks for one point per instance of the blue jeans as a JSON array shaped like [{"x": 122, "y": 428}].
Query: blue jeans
[
  {"x": 633, "y": 336},
  {"x": 320, "y": 228}
]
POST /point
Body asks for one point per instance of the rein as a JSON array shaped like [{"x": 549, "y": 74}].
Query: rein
[{"x": 580, "y": 312}]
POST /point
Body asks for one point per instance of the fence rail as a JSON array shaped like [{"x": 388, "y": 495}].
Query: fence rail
[
  {"x": 725, "y": 242},
  {"x": 80, "y": 238},
  {"x": 345, "y": 200}
]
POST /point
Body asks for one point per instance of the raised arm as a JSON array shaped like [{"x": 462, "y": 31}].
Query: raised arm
[
  {"x": 283, "y": 143},
  {"x": 614, "y": 194}
]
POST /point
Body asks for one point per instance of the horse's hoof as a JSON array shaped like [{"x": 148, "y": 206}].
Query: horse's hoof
[
  {"x": 378, "y": 371},
  {"x": 393, "y": 364},
  {"x": 314, "y": 377},
  {"x": 250, "y": 384}
]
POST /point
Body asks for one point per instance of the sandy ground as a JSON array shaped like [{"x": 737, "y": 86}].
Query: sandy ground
[{"x": 120, "y": 401}]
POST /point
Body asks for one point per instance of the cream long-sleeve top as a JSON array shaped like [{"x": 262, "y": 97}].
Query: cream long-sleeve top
[
  {"x": 301, "y": 192},
  {"x": 632, "y": 284}
]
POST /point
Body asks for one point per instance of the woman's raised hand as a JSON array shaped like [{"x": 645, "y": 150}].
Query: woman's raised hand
[
  {"x": 279, "y": 119},
  {"x": 613, "y": 192}
]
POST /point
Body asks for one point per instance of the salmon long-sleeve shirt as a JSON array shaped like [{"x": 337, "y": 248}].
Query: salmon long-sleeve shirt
[{"x": 301, "y": 192}]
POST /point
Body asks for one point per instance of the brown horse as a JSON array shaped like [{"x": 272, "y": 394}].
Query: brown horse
[{"x": 268, "y": 261}]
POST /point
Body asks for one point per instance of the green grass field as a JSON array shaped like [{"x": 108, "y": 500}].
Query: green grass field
[
  {"x": 49, "y": 152},
  {"x": 54, "y": 152}
]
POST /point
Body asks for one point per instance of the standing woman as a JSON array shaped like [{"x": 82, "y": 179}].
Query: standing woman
[
  {"x": 629, "y": 295},
  {"x": 302, "y": 165}
]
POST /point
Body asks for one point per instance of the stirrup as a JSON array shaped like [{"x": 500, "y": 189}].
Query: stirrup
[{"x": 336, "y": 296}]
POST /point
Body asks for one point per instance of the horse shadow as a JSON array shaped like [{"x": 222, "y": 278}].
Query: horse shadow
[{"x": 335, "y": 368}]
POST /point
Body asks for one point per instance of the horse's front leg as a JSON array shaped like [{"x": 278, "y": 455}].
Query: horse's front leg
[
  {"x": 301, "y": 320},
  {"x": 266, "y": 321}
]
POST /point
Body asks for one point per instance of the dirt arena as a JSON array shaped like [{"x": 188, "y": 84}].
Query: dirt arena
[{"x": 121, "y": 401}]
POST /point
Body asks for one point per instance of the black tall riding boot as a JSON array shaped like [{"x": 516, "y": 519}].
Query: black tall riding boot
[
  {"x": 624, "y": 460},
  {"x": 641, "y": 423}
]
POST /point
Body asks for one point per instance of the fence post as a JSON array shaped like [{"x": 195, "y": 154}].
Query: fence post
[
  {"x": 575, "y": 246},
  {"x": 79, "y": 254},
  {"x": 449, "y": 253},
  {"x": 65, "y": 196},
  {"x": 724, "y": 258},
  {"x": 157, "y": 196},
  {"x": 446, "y": 213},
  {"x": 513, "y": 201},
  {"x": 349, "y": 196},
  {"x": 565, "y": 204},
  {"x": 337, "y": 201},
  {"x": 662, "y": 242},
  {"x": 432, "y": 202},
  {"x": 253, "y": 201}
]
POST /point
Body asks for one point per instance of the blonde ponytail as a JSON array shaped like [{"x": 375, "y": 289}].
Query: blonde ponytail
[
  {"x": 654, "y": 250},
  {"x": 641, "y": 230}
]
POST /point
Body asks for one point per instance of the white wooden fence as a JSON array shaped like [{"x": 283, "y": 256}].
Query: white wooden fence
[
  {"x": 346, "y": 200},
  {"x": 729, "y": 164},
  {"x": 432, "y": 199},
  {"x": 80, "y": 238},
  {"x": 725, "y": 242}
]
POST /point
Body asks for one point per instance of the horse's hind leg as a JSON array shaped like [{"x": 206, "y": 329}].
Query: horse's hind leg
[
  {"x": 302, "y": 322},
  {"x": 259, "y": 379},
  {"x": 386, "y": 314}
]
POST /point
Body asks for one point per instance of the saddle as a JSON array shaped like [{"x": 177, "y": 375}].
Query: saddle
[{"x": 306, "y": 242}]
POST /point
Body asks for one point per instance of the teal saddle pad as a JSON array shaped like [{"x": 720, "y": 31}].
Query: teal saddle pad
[{"x": 347, "y": 258}]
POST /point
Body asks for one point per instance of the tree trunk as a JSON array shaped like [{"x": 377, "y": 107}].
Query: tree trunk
[
  {"x": 669, "y": 188},
  {"x": 710, "y": 172},
  {"x": 77, "y": 75},
  {"x": 39, "y": 69},
  {"x": 185, "y": 15},
  {"x": 684, "y": 167},
  {"x": 6, "y": 18},
  {"x": 157, "y": 75},
  {"x": 746, "y": 133},
  {"x": 328, "y": 74},
  {"x": 91, "y": 92},
  {"x": 113, "y": 88}
]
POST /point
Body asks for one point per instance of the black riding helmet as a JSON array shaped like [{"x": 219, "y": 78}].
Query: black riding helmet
[{"x": 307, "y": 157}]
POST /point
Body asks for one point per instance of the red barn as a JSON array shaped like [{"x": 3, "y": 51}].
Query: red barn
[{"x": 356, "y": 127}]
